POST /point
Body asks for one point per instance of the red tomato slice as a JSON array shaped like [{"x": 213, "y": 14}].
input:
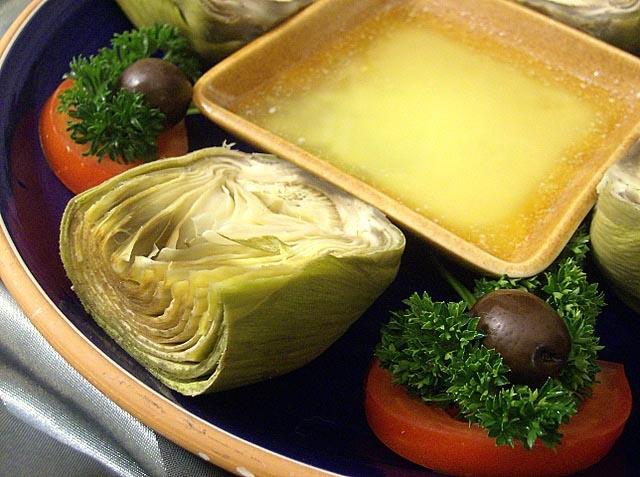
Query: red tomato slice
[
  {"x": 428, "y": 436},
  {"x": 79, "y": 172}
]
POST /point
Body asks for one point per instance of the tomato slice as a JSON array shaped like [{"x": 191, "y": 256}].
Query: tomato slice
[
  {"x": 65, "y": 157},
  {"x": 428, "y": 436}
]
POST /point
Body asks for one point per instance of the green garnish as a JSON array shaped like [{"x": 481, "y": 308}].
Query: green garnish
[
  {"x": 116, "y": 123},
  {"x": 435, "y": 351}
]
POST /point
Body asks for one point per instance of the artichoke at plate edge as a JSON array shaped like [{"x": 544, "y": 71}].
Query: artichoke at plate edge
[
  {"x": 614, "y": 21},
  {"x": 215, "y": 28},
  {"x": 220, "y": 268},
  {"x": 615, "y": 228}
]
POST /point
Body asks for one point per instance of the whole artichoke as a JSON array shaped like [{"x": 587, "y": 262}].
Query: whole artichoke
[{"x": 615, "y": 228}]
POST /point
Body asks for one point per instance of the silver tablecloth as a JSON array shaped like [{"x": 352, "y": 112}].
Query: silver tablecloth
[{"x": 53, "y": 422}]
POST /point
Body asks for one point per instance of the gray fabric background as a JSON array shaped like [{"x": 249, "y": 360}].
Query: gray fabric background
[{"x": 55, "y": 423}]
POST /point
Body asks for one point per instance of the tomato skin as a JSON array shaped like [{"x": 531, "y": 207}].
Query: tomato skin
[
  {"x": 428, "y": 436},
  {"x": 65, "y": 157}
]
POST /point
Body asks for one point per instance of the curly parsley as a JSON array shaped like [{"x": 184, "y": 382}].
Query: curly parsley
[
  {"x": 435, "y": 350},
  {"x": 118, "y": 124}
]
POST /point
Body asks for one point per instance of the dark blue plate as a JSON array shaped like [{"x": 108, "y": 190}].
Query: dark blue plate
[{"x": 313, "y": 415}]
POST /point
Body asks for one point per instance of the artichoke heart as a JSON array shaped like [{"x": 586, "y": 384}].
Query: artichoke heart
[
  {"x": 215, "y": 28},
  {"x": 615, "y": 228},
  {"x": 614, "y": 21},
  {"x": 220, "y": 268}
]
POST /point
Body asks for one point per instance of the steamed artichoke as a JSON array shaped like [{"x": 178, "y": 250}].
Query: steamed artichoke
[
  {"x": 614, "y": 21},
  {"x": 615, "y": 228},
  {"x": 214, "y": 27},
  {"x": 219, "y": 268}
]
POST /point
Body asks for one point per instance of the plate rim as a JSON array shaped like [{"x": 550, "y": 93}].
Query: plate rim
[{"x": 209, "y": 442}]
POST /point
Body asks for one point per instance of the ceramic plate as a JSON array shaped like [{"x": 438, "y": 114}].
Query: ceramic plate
[{"x": 308, "y": 422}]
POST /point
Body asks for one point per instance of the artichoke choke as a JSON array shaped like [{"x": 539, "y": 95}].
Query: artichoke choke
[{"x": 220, "y": 268}]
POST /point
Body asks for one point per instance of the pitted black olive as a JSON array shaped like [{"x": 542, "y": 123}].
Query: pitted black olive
[
  {"x": 163, "y": 85},
  {"x": 531, "y": 337}
]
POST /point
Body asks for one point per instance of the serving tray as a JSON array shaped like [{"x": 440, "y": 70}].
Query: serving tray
[{"x": 222, "y": 91}]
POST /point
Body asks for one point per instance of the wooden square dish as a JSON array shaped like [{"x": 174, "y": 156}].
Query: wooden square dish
[{"x": 481, "y": 126}]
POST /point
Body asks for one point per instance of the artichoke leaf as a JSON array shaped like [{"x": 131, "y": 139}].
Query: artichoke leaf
[
  {"x": 220, "y": 268},
  {"x": 215, "y": 28},
  {"x": 615, "y": 227}
]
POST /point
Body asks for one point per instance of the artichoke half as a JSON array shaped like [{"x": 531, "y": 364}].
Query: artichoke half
[
  {"x": 220, "y": 268},
  {"x": 615, "y": 228},
  {"x": 614, "y": 21},
  {"x": 215, "y": 28}
]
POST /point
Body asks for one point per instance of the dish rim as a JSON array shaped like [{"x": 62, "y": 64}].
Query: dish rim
[
  {"x": 209, "y": 442},
  {"x": 550, "y": 244}
]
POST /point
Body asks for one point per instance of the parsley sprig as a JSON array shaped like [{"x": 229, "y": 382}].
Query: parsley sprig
[
  {"x": 118, "y": 124},
  {"x": 435, "y": 350}
]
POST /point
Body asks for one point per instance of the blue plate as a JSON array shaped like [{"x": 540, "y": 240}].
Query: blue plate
[{"x": 314, "y": 415}]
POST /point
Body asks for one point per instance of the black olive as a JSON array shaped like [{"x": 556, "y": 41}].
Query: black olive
[
  {"x": 163, "y": 85},
  {"x": 529, "y": 334}
]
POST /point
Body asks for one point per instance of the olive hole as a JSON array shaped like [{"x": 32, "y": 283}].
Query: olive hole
[{"x": 543, "y": 356}]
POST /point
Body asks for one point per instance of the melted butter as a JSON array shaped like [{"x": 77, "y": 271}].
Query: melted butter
[{"x": 473, "y": 135}]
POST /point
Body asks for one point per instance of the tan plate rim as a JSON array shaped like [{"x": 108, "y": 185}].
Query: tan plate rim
[
  {"x": 188, "y": 431},
  {"x": 436, "y": 235}
]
